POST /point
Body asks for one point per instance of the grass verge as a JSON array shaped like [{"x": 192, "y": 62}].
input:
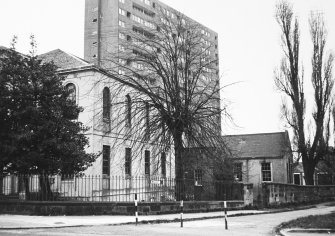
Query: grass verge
[{"x": 312, "y": 222}]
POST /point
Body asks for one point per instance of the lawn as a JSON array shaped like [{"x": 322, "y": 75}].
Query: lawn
[{"x": 312, "y": 222}]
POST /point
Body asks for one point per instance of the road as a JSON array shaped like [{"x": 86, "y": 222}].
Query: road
[{"x": 238, "y": 226}]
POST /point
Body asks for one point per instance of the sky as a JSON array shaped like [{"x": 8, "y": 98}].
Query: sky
[{"x": 249, "y": 46}]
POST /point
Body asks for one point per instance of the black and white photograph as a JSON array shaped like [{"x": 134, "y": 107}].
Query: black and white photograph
[{"x": 167, "y": 117}]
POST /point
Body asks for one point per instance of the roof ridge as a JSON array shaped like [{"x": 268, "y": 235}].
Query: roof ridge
[
  {"x": 253, "y": 134},
  {"x": 48, "y": 52}
]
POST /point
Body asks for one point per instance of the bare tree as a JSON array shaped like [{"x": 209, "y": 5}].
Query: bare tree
[
  {"x": 171, "y": 75},
  {"x": 311, "y": 142}
]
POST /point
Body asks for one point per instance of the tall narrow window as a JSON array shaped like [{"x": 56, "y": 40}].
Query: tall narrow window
[
  {"x": 147, "y": 162},
  {"x": 198, "y": 177},
  {"x": 147, "y": 120},
  {"x": 266, "y": 172},
  {"x": 128, "y": 111},
  {"x": 127, "y": 163},
  {"x": 71, "y": 88},
  {"x": 106, "y": 160},
  {"x": 238, "y": 171},
  {"x": 106, "y": 105},
  {"x": 163, "y": 164}
]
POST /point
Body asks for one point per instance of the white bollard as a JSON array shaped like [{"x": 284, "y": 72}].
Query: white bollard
[
  {"x": 181, "y": 213},
  {"x": 136, "y": 208}
]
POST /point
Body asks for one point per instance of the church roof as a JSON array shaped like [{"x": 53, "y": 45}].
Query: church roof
[{"x": 63, "y": 60}]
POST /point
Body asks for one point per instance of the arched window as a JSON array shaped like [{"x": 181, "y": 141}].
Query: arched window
[
  {"x": 106, "y": 104},
  {"x": 128, "y": 111},
  {"x": 71, "y": 88}
]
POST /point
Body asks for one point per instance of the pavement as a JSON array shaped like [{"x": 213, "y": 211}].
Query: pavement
[{"x": 35, "y": 222}]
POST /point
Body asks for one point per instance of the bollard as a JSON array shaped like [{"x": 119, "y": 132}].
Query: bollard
[
  {"x": 225, "y": 214},
  {"x": 181, "y": 213},
  {"x": 136, "y": 208}
]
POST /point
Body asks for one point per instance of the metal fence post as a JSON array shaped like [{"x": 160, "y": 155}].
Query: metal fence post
[{"x": 225, "y": 215}]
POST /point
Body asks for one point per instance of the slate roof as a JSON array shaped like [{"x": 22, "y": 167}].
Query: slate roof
[
  {"x": 63, "y": 60},
  {"x": 258, "y": 145}
]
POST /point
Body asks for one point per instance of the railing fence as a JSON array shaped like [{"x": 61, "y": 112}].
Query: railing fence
[{"x": 115, "y": 188}]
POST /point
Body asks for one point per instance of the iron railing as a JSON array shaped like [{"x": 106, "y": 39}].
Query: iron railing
[{"x": 115, "y": 188}]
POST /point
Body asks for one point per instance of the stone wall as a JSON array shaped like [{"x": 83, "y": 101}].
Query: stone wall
[
  {"x": 112, "y": 208},
  {"x": 276, "y": 194}
]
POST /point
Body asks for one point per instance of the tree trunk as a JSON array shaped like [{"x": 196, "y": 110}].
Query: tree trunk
[
  {"x": 1, "y": 184},
  {"x": 309, "y": 169},
  {"x": 26, "y": 186},
  {"x": 179, "y": 167},
  {"x": 45, "y": 190}
]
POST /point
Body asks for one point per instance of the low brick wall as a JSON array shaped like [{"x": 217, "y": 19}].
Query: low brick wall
[
  {"x": 276, "y": 193},
  {"x": 111, "y": 208}
]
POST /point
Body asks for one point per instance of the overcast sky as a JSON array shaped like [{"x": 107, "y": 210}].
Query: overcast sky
[{"x": 249, "y": 44}]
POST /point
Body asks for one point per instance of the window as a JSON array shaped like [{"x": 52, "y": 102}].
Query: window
[
  {"x": 122, "y": 61},
  {"x": 163, "y": 164},
  {"x": 198, "y": 177},
  {"x": 106, "y": 160},
  {"x": 71, "y": 88},
  {"x": 128, "y": 111},
  {"x": 121, "y": 48},
  {"x": 122, "y": 36},
  {"x": 147, "y": 119},
  {"x": 143, "y": 11},
  {"x": 106, "y": 104},
  {"x": 121, "y": 23},
  {"x": 146, "y": 2},
  {"x": 266, "y": 172},
  {"x": 143, "y": 22},
  {"x": 127, "y": 163},
  {"x": 138, "y": 66},
  {"x": 122, "y": 12},
  {"x": 147, "y": 162},
  {"x": 296, "y": 179},
  {"x": 238, "y": 171}
]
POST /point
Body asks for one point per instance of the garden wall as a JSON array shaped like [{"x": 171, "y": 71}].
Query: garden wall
[
  {"x": 277, "y": 193},
  {"x": 110, "y": 208}
]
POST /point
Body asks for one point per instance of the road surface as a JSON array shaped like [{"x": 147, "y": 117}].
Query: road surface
[{"x": 257, "y": 225}]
